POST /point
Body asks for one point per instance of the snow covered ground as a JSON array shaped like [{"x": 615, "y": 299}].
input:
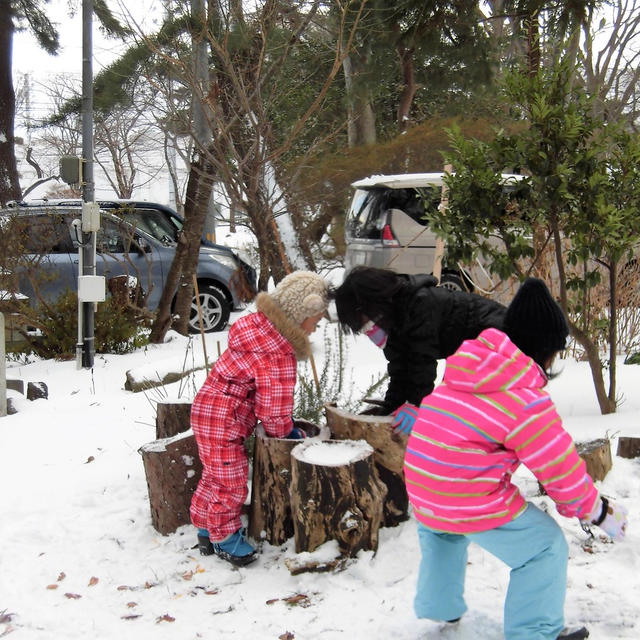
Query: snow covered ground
[{"x": 80, "y": 559}]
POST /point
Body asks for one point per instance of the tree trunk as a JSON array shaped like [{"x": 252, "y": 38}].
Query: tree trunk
[
  {"x": 9, "y": 182},
  {"x": 172, "y": 418},
  {"x": 195, "y": 212},
  {"x": 597, "y": 456},
  {"x": 389, "y": 455},
  {"x": 409, "y": 87},
  {"x": 628, "y": 447},
  {"x": 173, "y": 469},
  {"x": 340, "y": 499},
  {"x": 270, "y": 512},
  {"x": 188, "y": 246}
]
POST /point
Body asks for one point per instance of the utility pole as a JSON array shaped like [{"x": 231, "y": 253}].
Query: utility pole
[{"x": 90, "y": 211}]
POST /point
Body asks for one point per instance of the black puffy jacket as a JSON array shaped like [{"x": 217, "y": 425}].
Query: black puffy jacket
[{"x": 430, "y": 323}]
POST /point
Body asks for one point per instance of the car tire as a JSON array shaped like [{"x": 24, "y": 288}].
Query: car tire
[
  {"x": 453, "y": 282},
  {"x": 215, "y": 308}
]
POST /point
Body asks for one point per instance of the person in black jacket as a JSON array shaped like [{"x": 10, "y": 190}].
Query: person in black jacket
[{"x": 415, "y": 322}]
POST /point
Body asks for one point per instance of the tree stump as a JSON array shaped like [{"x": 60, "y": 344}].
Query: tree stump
[
  {"x": 37, "y": 391},
  {"x": 336, "y": 494},
  {"x": 172, "y": 418},
  {"x": 628, "y": 447},
  {"x": 270, "y": 510},
  {"x": 388, "y": 455},
  {"x": 173, "y": 469},
  {"x": 597, "y": 456}
]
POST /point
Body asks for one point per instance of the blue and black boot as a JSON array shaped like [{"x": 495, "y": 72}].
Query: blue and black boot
[{"x": 234, "y": 548}]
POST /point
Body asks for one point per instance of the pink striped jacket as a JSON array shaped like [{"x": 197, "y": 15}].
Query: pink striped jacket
[{"x": 489, "y": 415}]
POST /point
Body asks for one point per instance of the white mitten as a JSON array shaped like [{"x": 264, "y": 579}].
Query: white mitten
[{"x": 610, "y": 517}]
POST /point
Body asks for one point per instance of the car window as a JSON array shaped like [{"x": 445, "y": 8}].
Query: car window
[
  {"x": 365, "y": 219},
  {"x": 412, "y": 203},
  {"x": 46, "y": 233},
  {"x": 156, "y": 223},
  {"x": 110, "y": 237}
]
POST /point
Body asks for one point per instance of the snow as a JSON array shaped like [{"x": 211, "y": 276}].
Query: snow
[
  {"x": 332, "y": 454},
  {"x": 79, "y": 557}
]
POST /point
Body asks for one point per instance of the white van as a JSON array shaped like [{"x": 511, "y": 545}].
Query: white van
[{"x": 385, "y": 227}]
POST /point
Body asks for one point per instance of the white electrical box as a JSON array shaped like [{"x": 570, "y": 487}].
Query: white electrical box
[
  {"x": 91, "y": 288},
  {"x": 90, "y": 217}
]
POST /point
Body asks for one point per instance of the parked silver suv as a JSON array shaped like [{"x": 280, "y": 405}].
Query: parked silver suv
[
  {"x": 137, "y": 239},
  {"x": 385, "y": 226}
]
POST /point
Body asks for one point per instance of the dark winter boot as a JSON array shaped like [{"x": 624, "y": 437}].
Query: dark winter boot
[
  {"x": 573, "y": 633},
  {"x": 234, "y": 548},
  {"x": 204, "y": 544}
]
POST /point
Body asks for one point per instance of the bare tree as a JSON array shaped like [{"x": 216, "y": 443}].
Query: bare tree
[
  {"x": 610, "y": 59},
  {"x": 123, "y": 136},
  {"x": 250, "y": 54}
]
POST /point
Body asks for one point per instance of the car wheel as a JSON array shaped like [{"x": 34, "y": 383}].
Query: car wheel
[
  {"x": 215, "y": 310},
  {"x": 452, "y": 281}
]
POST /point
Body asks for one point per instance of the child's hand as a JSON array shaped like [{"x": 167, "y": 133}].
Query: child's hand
[
  {"x": 610, "y": 517},
  {"x": 615, "y": 521},
  {"x": 296, "y": 434},
  {"x": 403, "y": 418}
]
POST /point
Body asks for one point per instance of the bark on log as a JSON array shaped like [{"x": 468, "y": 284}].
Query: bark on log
[
  {"x": 338, "y": 500},
  {"x": 628, "y": 447},
  {"x": 172, "y": 418},
  {"x": 270, "y": 510},
  {"x": 173, "y": 469},
  {"x": 597, "y": 456},
  {"x": 388, "y": 455}
]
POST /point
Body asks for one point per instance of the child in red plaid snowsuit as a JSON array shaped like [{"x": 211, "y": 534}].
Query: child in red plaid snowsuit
[{"x": 252, "y": 380}]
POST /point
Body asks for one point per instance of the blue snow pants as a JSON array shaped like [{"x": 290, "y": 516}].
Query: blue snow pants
[{"x": 532, "y": 545}]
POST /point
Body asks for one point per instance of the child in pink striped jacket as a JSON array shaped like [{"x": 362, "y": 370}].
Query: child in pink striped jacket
[{"x": 489, "y": 415}]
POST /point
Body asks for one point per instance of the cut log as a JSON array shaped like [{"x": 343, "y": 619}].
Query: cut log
[
  {"x": 172, "y": 418},
  {"x": 270, "y": 511},
  {"x": 597, "y": 456},
  {"x": 37, "y": 391},
  {"x": 388, "y": 455},
  {"x": 173, "y": 469},
  {"x": 298, "y": 565},
  {"x": 336, "y": 494},
  {"x": 628, "y": 447}
]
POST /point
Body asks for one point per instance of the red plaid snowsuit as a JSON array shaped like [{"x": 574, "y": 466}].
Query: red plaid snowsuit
[{"x": 252, "y": 380}]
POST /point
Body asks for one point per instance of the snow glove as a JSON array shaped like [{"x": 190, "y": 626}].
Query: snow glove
[
  {"x": 403, "y": 418},
  {"x": 309, "y": 428},
  {"x": 610, "y": 517},
  {"x": 296, "y": 434}
]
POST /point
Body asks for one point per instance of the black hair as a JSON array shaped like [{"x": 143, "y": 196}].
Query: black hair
[{"x": 367, "y": 293}]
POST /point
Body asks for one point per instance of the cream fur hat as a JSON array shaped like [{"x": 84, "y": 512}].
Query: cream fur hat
[{"x": 301, "y": 294}]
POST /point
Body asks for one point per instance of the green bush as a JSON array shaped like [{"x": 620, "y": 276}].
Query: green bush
[{"x": 117, "y": 328}]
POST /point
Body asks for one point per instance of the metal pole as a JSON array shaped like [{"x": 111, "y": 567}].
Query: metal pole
[
  {"x": 3, "y": 370},
  {"x": 88, "y": 237}
]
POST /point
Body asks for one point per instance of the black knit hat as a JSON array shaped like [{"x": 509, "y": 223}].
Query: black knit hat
[{"x": 535, "y": 322}]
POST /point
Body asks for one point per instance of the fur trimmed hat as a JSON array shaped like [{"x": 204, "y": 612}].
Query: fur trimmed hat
[
  {"x": 535, "y": 322},
  {"x": 301, "y": 294}
]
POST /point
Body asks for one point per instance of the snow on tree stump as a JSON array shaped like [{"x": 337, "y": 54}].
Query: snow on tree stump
[
  {"x": 388, "y": 449},
  {"x": 37, "y": 391},
  {"x": 628, "y": 447},
  {"x": 270, "y": 510},
  {"x": 172, "y": 418},
  {"x": 336, "y": 494},
  {"x": 173, "y": 469},
  {"x": 597, "y": 456}
]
